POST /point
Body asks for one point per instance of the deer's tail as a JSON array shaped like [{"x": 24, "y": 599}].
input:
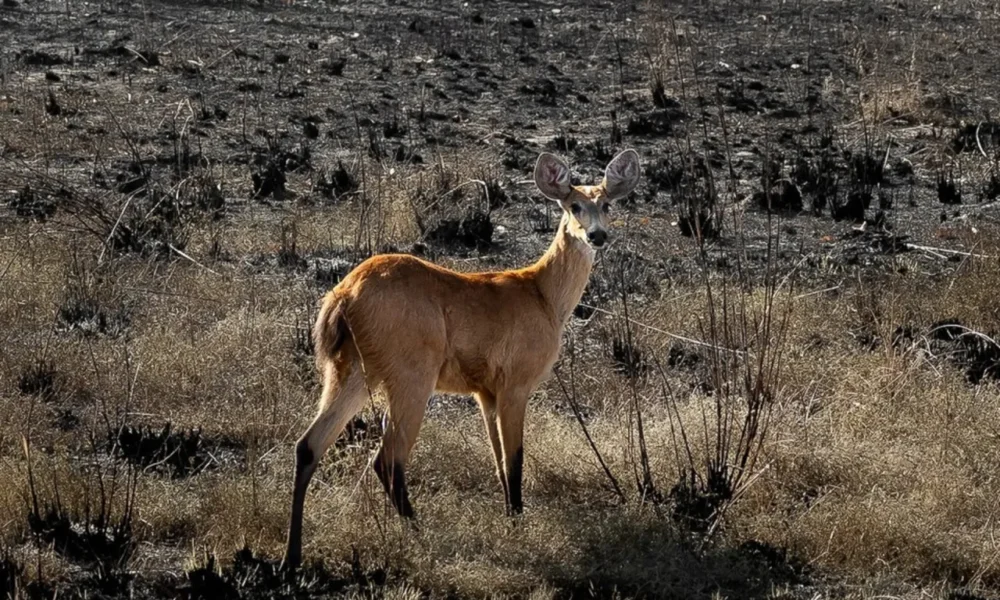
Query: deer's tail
[{"x": 331, "y": 330}]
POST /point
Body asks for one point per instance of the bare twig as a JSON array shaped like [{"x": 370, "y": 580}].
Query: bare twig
[
  {"x": 817, "y": 292},
  {"x": 664, "y": 331},
  {"x": 183, "y": 255},
  {"x": 940, "y": 251},
  {"x": 3, "y": 275},
  {"x": 575, "y": 406},
  {"x": 114, "y": 228},
  {"x": 966, "y": 332},
  {"x": 980, "y": 144}
]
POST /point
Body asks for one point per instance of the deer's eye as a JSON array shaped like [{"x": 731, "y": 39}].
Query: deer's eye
[
  {"x": 606, "y": 207},
  {"x": 576, "y": 209}
]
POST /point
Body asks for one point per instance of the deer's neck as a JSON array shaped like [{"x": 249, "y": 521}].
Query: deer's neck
[{"x": 563, "y": 271}]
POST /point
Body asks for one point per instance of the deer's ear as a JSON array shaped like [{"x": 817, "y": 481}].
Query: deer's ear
[
  {"x": 622, "y": 174},
  {"x": 552, "y": 177}
]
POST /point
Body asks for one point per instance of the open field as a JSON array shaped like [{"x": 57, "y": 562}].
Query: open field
[{"x": 782, "y": 380}]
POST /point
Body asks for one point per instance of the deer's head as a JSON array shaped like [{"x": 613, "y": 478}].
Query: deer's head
[{"x": 588, "y": 206}]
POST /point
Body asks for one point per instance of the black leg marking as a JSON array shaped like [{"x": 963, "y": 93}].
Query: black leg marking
[
  {"x": 379, "y": 468},
  {"x": 304, "y": 456},
  {"x": 515, "y": 505},
  {"x": 305, "y": 466},
  {"x": 393, "y": 478},
  {"x": 506, "y": 492},
  {"x": 401, "y": 495}
]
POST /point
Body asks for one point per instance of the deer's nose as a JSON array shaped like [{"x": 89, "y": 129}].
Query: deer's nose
[{"x": 597, "y": 238}]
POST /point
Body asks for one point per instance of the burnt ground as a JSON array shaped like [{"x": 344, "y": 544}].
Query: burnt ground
[
  {"x": 870, "y": 131},
  {"x": 833, "y": 116}
]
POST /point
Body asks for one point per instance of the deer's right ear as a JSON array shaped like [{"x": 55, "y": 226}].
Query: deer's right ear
[{"x": 552, "y": 177}]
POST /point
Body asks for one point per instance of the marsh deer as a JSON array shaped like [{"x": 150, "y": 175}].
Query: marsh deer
[{"x": 413, "y": 328}]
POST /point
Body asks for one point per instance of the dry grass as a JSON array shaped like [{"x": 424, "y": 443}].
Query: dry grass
[{"x": 878, "y": 463}]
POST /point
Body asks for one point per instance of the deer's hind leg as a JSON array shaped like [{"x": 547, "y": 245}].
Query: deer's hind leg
[
  {"x": 343, "y": 397},
  {"x": 408, "y": 396}
]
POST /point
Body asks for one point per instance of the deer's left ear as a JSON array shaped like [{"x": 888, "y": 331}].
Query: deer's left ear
[{"x": 622, "y": 174}]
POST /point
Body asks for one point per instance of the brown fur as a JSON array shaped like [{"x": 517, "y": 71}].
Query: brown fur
[
  {"x": 439, "y": 319},
  {"x": 412, "y": 328}
]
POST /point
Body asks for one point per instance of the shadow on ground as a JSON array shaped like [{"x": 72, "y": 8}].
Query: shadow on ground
[{"x": 644, "y": 556}]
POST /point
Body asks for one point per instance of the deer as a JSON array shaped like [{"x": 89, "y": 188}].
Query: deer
[{"x": 412, "y": 328}]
